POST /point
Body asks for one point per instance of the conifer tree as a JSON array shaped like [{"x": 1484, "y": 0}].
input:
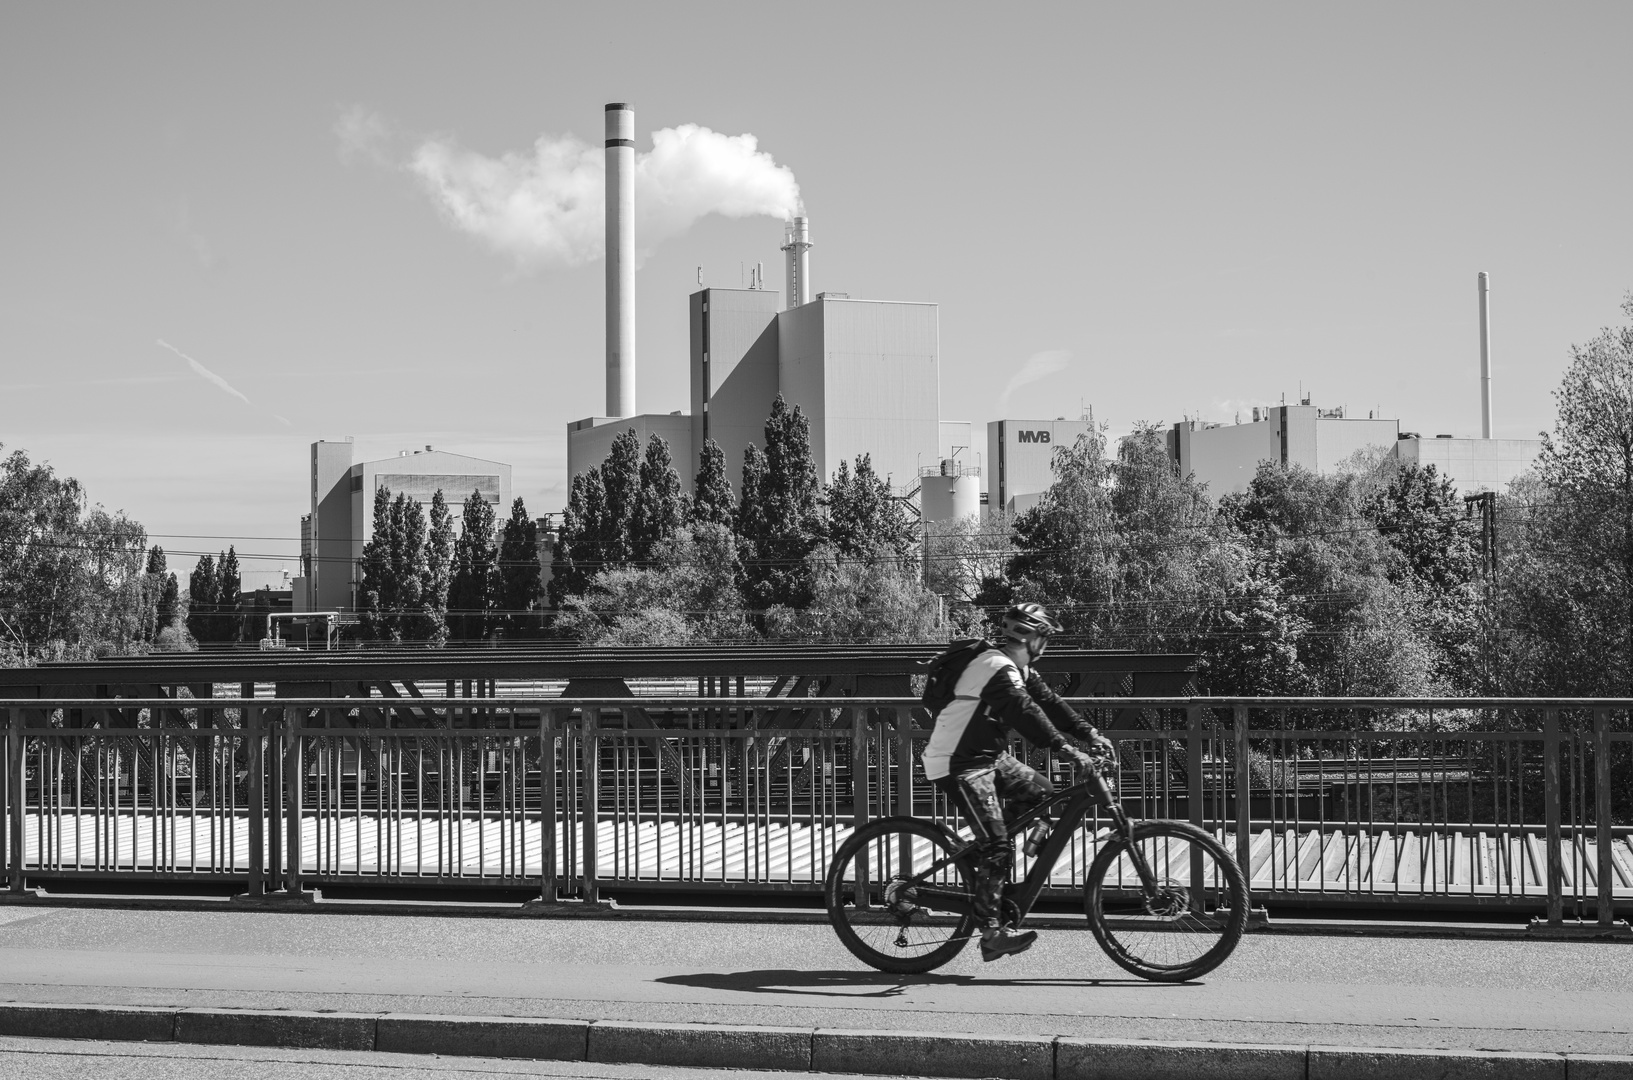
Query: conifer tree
[
  {"x": 864, "y": 519},
  {"x": 474, "y": 586},
  {"x": 521, "y": 587},
  {"x": 575, "y": 557},
  {"x": 203, "y": 590},
  {"x": 373, "y": 586},
  {"x": 660, "y": 508},
  {"x": 229, "y": 623},
  {"x": 439, "y": 559},
  {"x": 780, "y": 516},
  {"x": 153, "y": 584},
  {"x": 712, "y": 497},
  {"x": 621, "y": 478}
]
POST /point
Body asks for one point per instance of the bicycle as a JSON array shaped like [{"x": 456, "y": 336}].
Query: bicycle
[{"x": 1150, "y": 922}]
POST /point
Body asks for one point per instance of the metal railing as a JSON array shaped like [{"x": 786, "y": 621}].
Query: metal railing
[{"x": 1523, "y": 804}]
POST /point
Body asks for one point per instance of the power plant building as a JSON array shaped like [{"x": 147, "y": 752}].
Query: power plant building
[
  {"x": 342, "y": 516},
  {"x": 1019, "y": 456},
  {"x": 1225, "y": 456},
  {"x": 1473, "y": 465}
]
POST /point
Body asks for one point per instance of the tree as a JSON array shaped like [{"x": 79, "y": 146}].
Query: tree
[
  {"x": 864, "y": 520},
  {"x": 575, "y": 557},
  {"x": 71, "y": 579},
  {"x": 859, "y": 601},
  {"x": 229, "y": 624},
  {"x": 203, "y": 598},
  {"x": 621, "y": 480},
  {"x": 394, "y": 569},
  {"x": 475, "y": 585},
  {"x": 712, "y": 498},
  {"x": 1566, "y": 543},
  {"x": 439, "y": 557},
  {"x": 155, "y": 580},
  {"x": 374, "y": 586},
  {"x": 660, "y": 508},
  {"x": 687, "y": 594},
  {"x": 780, "y": 516},
  {"x": 520, "y": 582}
]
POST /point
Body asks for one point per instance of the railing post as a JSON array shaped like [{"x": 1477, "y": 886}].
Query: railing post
[
  {"x": 1552, "y": 810},
  {"x": 293, "y": 782},
  {"x": 904, "y": 761},
  {"x": 1602, "y": 816},
  {"x": 1194, "y": 794},
  {"x": 17, "y": 782},
  {"x": 859, "y": 799},
  {"x": 257, "y": 801},
  {"x": 548, "y": 816},
  {"x": 590, "y": 785},
  {"x": 1244, "y": 798}
]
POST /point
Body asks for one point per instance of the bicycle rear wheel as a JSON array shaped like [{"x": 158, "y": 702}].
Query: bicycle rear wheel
[
  {"x": 1178, "y": 933},
  {"x": 899, "y": 896}
]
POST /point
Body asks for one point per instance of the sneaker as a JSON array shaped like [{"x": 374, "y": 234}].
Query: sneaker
[{"x": 1005, "y": 941}]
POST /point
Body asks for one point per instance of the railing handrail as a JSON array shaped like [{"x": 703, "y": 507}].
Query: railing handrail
[{"x": 732, "y": 702}]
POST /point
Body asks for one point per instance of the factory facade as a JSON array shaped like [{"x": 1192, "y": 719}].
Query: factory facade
[{"x": 341, "y": 520}]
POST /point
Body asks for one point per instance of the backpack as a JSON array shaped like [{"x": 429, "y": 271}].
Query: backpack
[{"x": 944, "y": 672}]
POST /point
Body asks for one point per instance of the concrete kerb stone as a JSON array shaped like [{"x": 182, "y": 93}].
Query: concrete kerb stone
[
  {"x": 108, "y": 1023},
  {"x": 934, "y": 1053},
  {"x": 938, "y": 1054},
  {"x": 291, "y": 1030},
  {"x": 482, "y": 1036},
  {"x": 703, "y": 1046},
  {"x": 1598, "y": 1067},
  {"x": 1372, "y": 1063},
  {"x": 1096, "y": 1059}
]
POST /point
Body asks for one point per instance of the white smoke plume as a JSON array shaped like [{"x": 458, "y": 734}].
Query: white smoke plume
[
  {"x": 1039, "y": 365},
  {"x": 547, "y": 206}
]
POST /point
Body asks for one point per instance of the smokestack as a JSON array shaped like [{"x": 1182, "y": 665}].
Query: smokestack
[
  {"x": 1485, "y": 356},
  {"x": 798, "y": 248},
  {"x": 620, "y": 260}
]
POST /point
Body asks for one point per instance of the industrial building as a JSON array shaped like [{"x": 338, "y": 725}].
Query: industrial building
[
  {"x": 1473, "y": 465},
  {"x": 1019, "y": 453},
  {"x": 1225, "y": 456},
  {"x": 342, "y": 516},
  {"x": 864, "y": 372}
]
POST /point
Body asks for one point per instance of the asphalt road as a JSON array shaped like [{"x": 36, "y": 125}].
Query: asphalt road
[{"x": 1335, "y": 990}]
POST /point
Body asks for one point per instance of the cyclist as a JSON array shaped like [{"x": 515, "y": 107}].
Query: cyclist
[{"x": 968, "y": 755}]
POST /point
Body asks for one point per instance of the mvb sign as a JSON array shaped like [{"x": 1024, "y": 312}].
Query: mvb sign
[{"x": 1032, "y": 436}]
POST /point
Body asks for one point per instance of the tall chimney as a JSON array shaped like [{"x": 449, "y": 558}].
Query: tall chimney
[
  {"x": 620, "y": 260},
  {"x": 1485, "y": 356},
  {"x": 799, "y": 263}
]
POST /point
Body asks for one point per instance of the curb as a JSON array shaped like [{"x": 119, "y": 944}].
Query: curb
[
  {"x": 607, "y": 910},
  {"x": 913, "y": 1053}
]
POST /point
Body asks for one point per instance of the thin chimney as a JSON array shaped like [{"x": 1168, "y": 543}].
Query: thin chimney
[
  {"x": 1485, "y": 356},
  {"x": 620, "y": 242}
]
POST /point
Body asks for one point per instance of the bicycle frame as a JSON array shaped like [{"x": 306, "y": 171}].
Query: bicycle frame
[{"x": 1077, "y": 800}]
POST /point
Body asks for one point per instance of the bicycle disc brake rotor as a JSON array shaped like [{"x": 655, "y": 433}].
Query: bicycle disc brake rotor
[{"x": 1170, "y": 902}]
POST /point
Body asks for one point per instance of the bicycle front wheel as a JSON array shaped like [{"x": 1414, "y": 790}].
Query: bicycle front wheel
[
  {"x": 1188, "y": 924},
  {"x": 899, "y": 895}
]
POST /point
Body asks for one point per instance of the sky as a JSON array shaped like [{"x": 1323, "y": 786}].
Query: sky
[{"x": 230, "y": 230}]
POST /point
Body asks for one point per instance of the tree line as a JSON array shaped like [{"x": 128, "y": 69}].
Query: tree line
[{"x": 784, "y": 557}]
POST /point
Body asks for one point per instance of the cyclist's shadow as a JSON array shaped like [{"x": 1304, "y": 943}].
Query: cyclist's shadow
[{"x": 853, "y": 984}]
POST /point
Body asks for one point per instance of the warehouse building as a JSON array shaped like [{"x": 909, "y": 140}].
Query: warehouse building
[
  {"x": 1225, "y": 456},
  {"x": 342, "y": 517}
]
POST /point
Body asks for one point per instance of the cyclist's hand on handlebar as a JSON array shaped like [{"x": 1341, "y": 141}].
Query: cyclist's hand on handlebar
[
  {"x": 1082, "y": 759},
  {"x": 1102, "y": 747}
]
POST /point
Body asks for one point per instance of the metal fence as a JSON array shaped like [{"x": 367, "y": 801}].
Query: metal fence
[{"x": 1524, "y": 804}]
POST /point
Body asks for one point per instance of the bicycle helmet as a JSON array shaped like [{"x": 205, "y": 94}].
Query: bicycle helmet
[{"x": 1024, "y": 621}]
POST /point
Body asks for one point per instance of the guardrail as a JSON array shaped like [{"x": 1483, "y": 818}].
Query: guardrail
[{"x": 1518, "y": 803}]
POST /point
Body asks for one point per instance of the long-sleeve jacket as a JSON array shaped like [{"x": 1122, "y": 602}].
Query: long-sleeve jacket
[{"x": 993, "y": 695}]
